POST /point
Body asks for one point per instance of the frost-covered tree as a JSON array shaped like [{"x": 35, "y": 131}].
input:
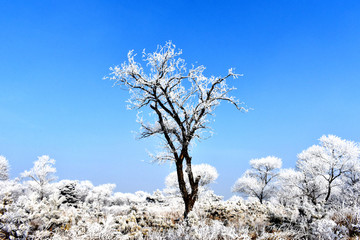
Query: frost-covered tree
[
  {"x": 258, "y": 181},
  {"x": 322, "y": 171},
  {"x": 181, "y": 101},
  {"x": 328, "y": 162},
  {"x": 297, "y": 186},
  {"x": 4, "y": 168},
  {"x": 41, "y": 174}
]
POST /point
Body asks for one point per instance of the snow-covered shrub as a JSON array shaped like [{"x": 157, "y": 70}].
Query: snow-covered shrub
[
  {"x": 212, "y": 230},
  {"x": 100, "y": 195},
  {"x": 158, "y": 196},
  {"x": 83, "y": 188},
  {"x": 324, "y": 229},
  {"x": 209, "y": 196},
  {"x": 127, "y": 198},
  {"x": 10, "y": 190},
  {"x": 347, "y": 220},
  {"x": 68, "y": 190}
]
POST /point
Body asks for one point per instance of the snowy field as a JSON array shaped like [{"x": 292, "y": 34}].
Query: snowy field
[{"x": 317, "y": 200}]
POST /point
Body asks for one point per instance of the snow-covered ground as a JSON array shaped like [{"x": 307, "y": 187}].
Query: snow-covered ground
[{"x": 317, "y": 200}]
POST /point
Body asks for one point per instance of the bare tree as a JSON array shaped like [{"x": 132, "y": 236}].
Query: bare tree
[{"x": 181, "y": 100}]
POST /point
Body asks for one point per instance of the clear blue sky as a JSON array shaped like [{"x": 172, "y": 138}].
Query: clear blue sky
[{"x": 300, "y": 60}]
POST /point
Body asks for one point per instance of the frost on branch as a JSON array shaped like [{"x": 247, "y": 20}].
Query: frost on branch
[
  {"x": 259, "y": 180},
  {"x": 181, "y": 101},
  {"x": 184, "y": 98}
]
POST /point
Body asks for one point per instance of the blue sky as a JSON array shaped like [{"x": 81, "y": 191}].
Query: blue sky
[{"x": 300, "y": 60}]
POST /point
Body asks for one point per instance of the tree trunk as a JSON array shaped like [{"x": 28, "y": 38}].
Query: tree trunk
[
  {"x": 189, "y": 198},
  {"x": 189, "y": 204},
  {"x": 328, "y": 193}
]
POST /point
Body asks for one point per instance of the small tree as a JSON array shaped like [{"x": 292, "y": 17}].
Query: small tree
[
  {"x": 181, "y": 101},
  {"x": 257, "y": 182},
  {"x": 41, "y": 174},
  {"x": 4, "y": 168}
]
